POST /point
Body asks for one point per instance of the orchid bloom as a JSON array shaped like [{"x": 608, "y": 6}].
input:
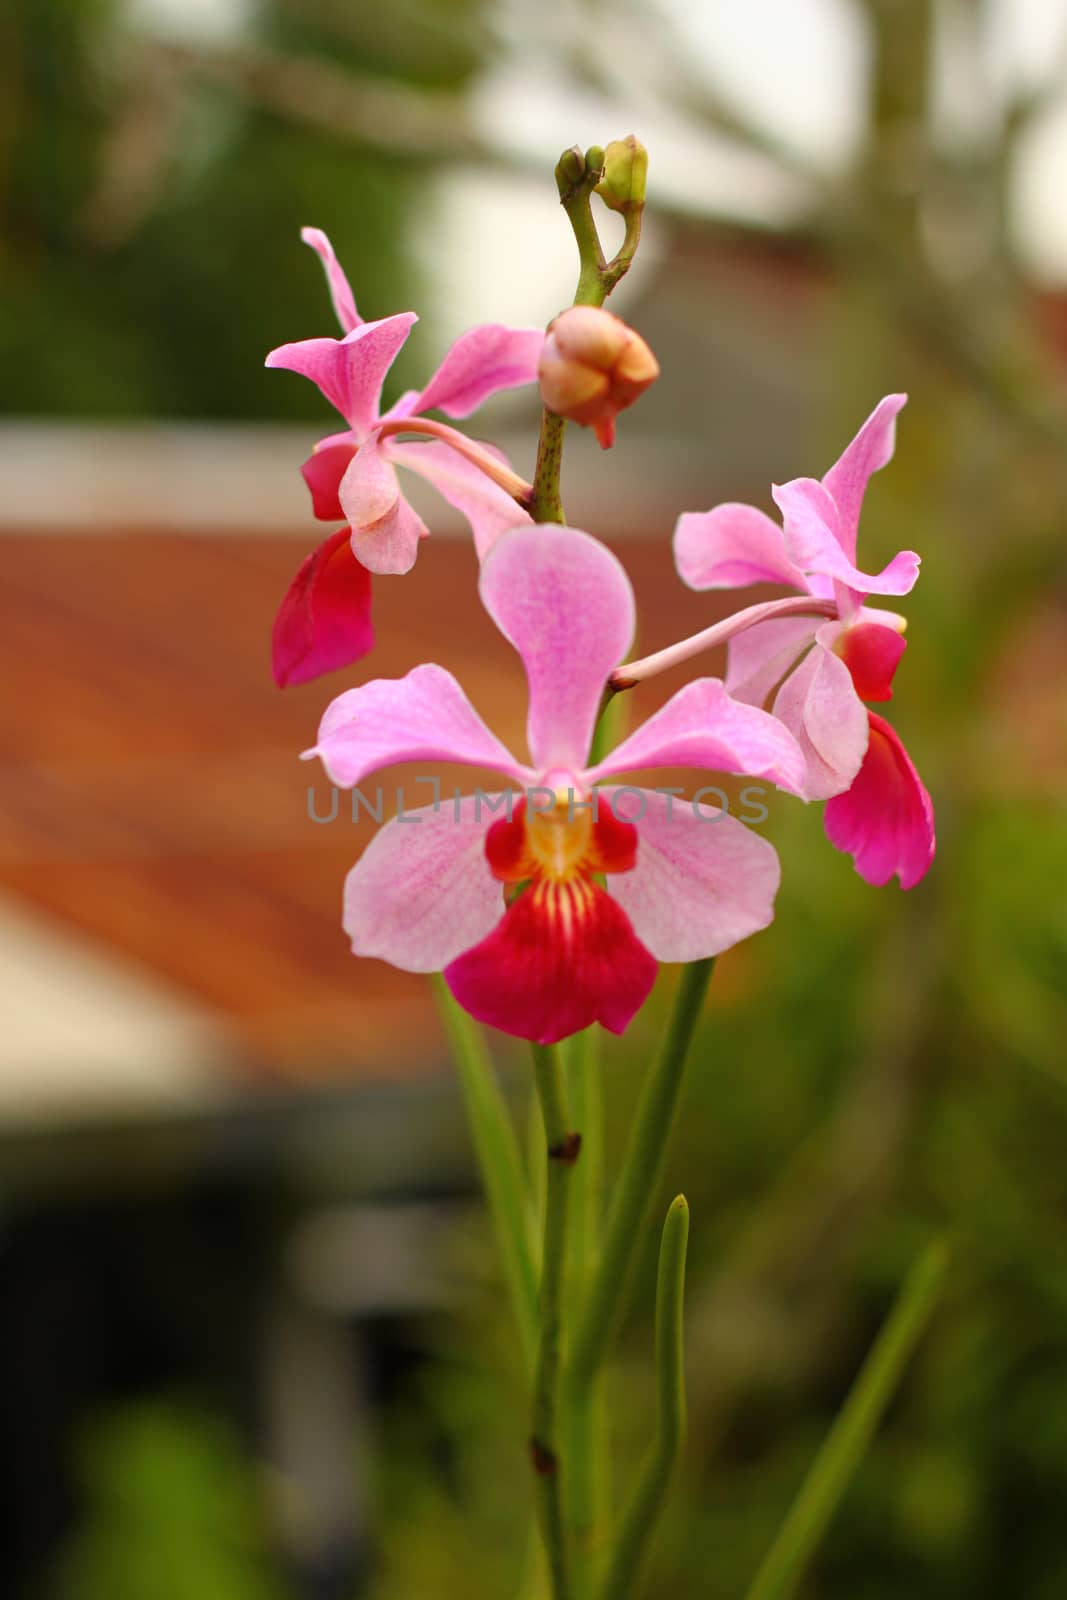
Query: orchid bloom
[
  {"x": 324, "y": 621},
  {"x": 878, "y": 809},
  {"x": 549, "y": 911}
]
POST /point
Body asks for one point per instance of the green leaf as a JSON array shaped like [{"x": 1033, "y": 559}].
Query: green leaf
[{"x": 852, "y": 1431}]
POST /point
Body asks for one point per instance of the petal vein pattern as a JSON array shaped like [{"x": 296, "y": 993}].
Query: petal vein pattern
[
  {"x": 424, "y": 716},
  {"x": 482, "y": 361},
  {"x": 698, "y": 886},
  {"x": 489, "y": 509},
  {"x": 422, "y": 892},
  {"x": 564, "y": 601}
]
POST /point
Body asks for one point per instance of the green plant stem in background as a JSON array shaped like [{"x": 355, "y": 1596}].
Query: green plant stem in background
[
  {"x": 500, "y": 1163},
  {"x": 643, "y": 1512},
  {"x": 562, "y": 1150},
  {"x": 851, "y": 1433},
  {"x": 638, "y": 1179}
]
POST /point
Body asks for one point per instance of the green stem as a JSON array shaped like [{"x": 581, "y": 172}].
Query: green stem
[
  {"x": 534, "y": 1142},
  {"x": 582, "y": 1411},
  {"x": 563, "y": 1147},
  {"x": 852, "y": 1430},
  {"x": 576, "y": 178},
  {"x": 635, "y": 1191},
  {"x": 620, "y": 265},
  {"x": 577, "y": 175},
  {"x": 582, "y": 1065},
  {"x": 546, "y": 504},
  {"x": 643, "y": 1512},
  {"x": 586, "y": 1485},
  {"x": 498, "y": 1157}
]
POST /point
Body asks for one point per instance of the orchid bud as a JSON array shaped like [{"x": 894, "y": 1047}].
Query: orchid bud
[
  {"x": 622, "y": 188},
  {"x": 570, "y": 169},
  {"x": 592, "y": 367}
]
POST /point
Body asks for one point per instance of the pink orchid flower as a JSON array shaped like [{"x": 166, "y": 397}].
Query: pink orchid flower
[
  {"x": 324, "y": 621},
  {"x": 878, "y": 809},
  {"x": 550, "y": 911}
]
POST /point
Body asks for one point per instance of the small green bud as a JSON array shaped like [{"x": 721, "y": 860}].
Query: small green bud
[
  {"x": 622, "y": 188},
  {"x": 570, "y": 169}
]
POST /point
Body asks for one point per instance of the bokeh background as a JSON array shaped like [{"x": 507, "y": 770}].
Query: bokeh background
[{"x": 253, "y": 1342}]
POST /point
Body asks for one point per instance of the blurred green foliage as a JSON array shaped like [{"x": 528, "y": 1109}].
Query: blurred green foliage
[
  {"x": 173, "y": 1512},
  {"x": 150, "y": 215}
]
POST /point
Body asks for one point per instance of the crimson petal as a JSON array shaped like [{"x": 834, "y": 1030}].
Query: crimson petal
[
  {"x": 885, "y": 821},
  {"x": 562, "y": 957},
  {"x": 323, "y": 471},
  {"x": 871, "y": 653},
  {"x": 324, "y": 622}
]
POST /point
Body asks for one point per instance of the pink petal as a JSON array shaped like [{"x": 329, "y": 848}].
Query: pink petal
[
  {"x": 340, "y": 293},
  {"x": 424, "y": 716},
  {"x": 759, "y": 658},
  {"x": 884, "y": 619},
  {"x": 405, "y": 406},
  {"x": 422, "y": 891},
  {"x": 565, "y": 603},
  {"x": 349, "y": 371},
  {"x": 563, "y": 957},
  {"x": 701, "y": 726},
  {"x": 391, "y": 544},
  {"x": 385, "y": 529},
  {"x": 731, "y": 546},
  {"x": 871, "y": 653},
  {"x": 481, "y": 361},
  {"x": 817, "y": 539},
  {"x": 885, "y": 821},
  {"x": 323, "y": 471},
  {"x": 699, "y": 885},
  {"x": 869, "y": 451},
  {"x": 820, "y": 707},
  {"x": 821, "y": 587},
  {"x": 324, "y": 621},
  {"x": 488, "y": 508}
]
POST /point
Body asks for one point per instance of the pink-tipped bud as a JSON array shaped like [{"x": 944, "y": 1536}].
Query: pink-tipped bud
[{"x": 592, "y": 367}]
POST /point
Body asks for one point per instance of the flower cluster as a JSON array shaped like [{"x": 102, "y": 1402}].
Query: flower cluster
[
  {"x": 324, "y": 621},
  {"x": 550, "y": 909},
  {"x": 877, "y": 808}
]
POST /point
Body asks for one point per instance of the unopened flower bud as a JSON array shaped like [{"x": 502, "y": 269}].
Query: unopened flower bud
[
  {"x": 622, "y": 188},
  {"x": 592, "y": 367},
  {"x": 570, "y": 169}
]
